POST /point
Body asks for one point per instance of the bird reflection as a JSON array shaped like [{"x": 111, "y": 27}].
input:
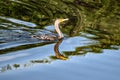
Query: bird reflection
[{"x": 56, "y": 50}]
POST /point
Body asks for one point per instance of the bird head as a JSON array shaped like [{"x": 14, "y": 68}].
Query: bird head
[{"x": 58, "y": 21}]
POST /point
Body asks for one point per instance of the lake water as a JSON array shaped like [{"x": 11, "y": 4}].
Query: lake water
[{"x": 91, "y": 52}]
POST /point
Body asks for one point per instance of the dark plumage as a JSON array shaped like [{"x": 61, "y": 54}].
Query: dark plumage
[{"x": 51, "y": 37}]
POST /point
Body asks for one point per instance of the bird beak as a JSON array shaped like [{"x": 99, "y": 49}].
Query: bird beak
[
  {"x": 65, "y": 19},
  {"x": 62, "y": 20}
]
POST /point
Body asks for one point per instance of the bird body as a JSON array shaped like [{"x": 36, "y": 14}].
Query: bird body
[
  {"x": 45, "y": 37},
  {"x": 53, "y": 37}
]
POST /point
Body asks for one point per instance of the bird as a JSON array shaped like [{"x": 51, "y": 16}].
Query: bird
[{"x": 57, "y": 29}]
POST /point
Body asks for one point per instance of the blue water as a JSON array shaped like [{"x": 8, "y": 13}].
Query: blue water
[
  {"x": 90, "y": 66},
  {"x": 91, "y": 43}
]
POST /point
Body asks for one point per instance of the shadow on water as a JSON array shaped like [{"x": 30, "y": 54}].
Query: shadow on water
[{"x": 93, "y": 27}]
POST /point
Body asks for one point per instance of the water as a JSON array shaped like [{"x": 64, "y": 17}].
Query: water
[
  {"x": 88, "y": 67},
  {"x": 90, "y": 49}
]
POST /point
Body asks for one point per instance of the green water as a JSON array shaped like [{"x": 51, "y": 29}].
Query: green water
[{"x": 91, "y": 47}]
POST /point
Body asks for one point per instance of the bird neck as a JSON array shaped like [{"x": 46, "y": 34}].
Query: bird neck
[{"x": 57, "y": 28}]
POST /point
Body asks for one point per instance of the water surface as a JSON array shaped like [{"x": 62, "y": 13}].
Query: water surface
[{"x": 91, "y": 46}]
